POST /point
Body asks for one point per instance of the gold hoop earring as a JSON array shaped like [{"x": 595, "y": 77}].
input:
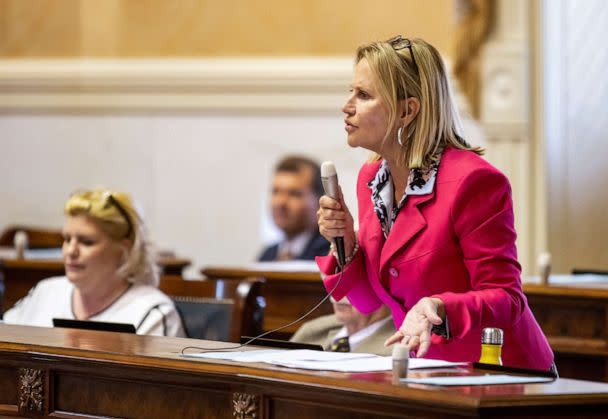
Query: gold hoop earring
[{"x": 399, "y": 134}]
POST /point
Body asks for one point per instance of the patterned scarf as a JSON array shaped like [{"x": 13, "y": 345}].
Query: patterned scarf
[{"x": 419, "y": 182}]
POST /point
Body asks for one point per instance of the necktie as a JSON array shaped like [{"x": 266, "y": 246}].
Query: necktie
[{"x": 340, "y": 345}]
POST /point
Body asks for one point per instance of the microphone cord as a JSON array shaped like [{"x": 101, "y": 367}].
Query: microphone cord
[{"x": 203, "y": 349}]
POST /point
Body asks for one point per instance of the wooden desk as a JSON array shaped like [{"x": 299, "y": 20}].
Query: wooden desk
[
  {"x": 288, "y": 295},
  {"x": 68, "y": 373},
  {"x": 574, "y": 317},
  {"x": 20, "y": 275}
]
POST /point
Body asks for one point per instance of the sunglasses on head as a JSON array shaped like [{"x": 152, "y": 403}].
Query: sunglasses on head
[{"x": 398, "y": 43}]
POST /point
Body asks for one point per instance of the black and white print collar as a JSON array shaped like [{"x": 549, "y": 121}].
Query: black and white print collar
[{"x": 419, "y": 182}]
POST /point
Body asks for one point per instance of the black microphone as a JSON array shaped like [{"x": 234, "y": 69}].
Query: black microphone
[{"x": 329, "y": 177}]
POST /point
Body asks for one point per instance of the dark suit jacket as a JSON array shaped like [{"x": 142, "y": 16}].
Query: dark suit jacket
[{"x": 317, "y": 246}]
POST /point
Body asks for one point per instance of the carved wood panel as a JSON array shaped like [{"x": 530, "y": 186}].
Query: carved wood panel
[
  {"x": 245, "y": 406},
  {"x": 31, "y": 390}
]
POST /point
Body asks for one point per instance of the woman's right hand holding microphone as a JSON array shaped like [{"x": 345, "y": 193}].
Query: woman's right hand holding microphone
[{"x": 335, "y": 220}]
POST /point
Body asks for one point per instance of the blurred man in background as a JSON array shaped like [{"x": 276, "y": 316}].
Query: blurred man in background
[{"x": 296, "y": 189}]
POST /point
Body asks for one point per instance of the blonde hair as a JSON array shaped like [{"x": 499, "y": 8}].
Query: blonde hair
[
  {"x": 119, "y": 219},
  {"x": 416, "y": 70}
]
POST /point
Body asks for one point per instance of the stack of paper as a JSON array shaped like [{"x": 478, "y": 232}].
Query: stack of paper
[
  {"x": 285, "y": 266},
  {"x": 476, "y": 380},
  {"x": 321, "y": 361}
]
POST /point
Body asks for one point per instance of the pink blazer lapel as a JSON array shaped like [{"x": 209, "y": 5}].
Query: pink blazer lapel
[{"x": 408, "y": 224}]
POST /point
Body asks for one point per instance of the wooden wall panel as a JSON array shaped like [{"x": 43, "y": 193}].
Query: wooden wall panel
[
  {"x": 145, "y": 28},
  {"x": 8, "y": 391},
  {"x": 39, "y": 28},
  {"x": 125, "y": 398}
]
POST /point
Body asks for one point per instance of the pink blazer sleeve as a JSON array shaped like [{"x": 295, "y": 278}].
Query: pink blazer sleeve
[
  {"x": 482, "y": 218},
  {"x": 353, "y": 284}
]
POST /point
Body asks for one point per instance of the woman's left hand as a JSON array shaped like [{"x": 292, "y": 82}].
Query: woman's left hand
[{"x": 415, "y": 331}]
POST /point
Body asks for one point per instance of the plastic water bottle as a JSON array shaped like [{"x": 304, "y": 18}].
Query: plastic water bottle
[{"x": 401, "y": 357}]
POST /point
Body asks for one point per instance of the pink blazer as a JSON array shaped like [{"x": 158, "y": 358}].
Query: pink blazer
[{"x": 457, "y": 244}]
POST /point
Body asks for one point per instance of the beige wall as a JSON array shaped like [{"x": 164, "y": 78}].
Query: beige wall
[
  {"x": 150, "y": 28},
  {"x": 84, "y": 122},
  {"x": 575, "y": 89}
]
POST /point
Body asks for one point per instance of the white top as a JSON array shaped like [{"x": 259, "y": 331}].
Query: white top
[
  {"x": 144, "y": 306},
  {"x": 357, "y": 337}
]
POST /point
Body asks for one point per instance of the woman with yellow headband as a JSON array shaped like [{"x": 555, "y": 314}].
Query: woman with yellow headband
[{"x": 111, "y": 275}]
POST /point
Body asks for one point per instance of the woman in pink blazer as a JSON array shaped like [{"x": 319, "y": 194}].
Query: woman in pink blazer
[{"x": 436, "y": 241}]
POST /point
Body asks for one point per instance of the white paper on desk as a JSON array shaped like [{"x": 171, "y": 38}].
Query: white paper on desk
[
  {"x": 379, "y": 363},
  {"x": 54, "y": 253},
  {"x": 281, "y": 355},
  {"x": 571, "y": 280},
  {"x": 322, "y": 361},
  {"x": 368, "y": 364},
  {"x": 239, "y": 356},
  {"x": 11, "y": 253},
  {"x": 285, "y": 266},
  {"x": 421, "y": 363},
  {"x": 476, "y": 380}
]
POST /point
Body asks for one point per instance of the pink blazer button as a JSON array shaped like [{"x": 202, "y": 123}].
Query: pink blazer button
[{"x": 393, "y": 272}]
